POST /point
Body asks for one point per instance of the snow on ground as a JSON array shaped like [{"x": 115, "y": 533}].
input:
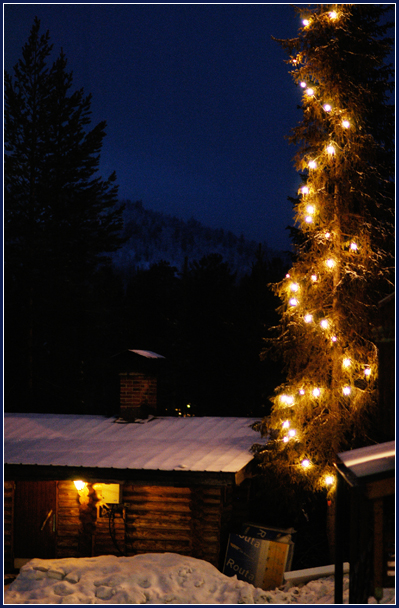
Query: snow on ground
[{"x": 153, "y": 578}]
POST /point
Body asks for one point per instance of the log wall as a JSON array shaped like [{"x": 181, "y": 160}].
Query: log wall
[
  {"x": 9, "y": 488},
  {"x": 191, "y": 521},
  {"x": 68, "y": 520}
]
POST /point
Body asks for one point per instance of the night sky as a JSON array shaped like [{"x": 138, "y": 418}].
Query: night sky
[{"x": 198, "y": 103}]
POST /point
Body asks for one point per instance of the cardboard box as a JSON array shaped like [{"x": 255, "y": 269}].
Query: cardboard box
[{"x": 257, "y": 561}]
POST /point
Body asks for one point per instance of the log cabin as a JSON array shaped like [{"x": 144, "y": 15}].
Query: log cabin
[{"x": 87, "y": 485}]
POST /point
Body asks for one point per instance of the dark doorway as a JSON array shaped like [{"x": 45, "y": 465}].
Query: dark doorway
[{"x": 34, "y": 519}]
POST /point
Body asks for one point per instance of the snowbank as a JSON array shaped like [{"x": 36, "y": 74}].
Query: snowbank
[{"x": 152, "y": 578}]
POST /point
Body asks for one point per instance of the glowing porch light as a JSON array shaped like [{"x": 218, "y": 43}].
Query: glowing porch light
[
  {"x": 327, "y": 107},
  {"x": 79, "y": 484},
  {"x": 346, "y": 390},
  {"x": 293, "y": 302},
  {"x": 316, "y": 392},
  {"x": 330, "y": 263},
  {"x": 308, "y": 318},
  {"x": 353, "y": 246},
  {"x": 346, "y": 124},
  {"x": 330, "y": 150},
  {"x": 305, "y": 463},
  {"x": 346, "y": 362},
  {"x": 312, "y": 164},
  {"x": 324, "y": 323}
]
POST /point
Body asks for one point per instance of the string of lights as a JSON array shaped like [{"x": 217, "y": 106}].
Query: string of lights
[{"x": 336, "y": 370}]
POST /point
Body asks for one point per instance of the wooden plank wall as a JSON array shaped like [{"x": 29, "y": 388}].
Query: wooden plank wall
[
  {"x": 9, "y": 488},
  {"x": 158, "y": 519},
  {"x": 68, "y": 521},
  {"x": 103, "y": 543}
]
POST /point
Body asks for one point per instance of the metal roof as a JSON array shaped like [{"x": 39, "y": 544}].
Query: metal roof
[{"x": 211, "y": 444}]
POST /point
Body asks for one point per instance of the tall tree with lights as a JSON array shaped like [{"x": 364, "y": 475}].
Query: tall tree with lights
[{"x": 344, "y": 243}]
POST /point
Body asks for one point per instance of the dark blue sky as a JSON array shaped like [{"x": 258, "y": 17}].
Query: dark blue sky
[{"x": 197, "y": 99}]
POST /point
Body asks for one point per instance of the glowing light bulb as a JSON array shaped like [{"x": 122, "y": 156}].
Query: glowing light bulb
[
  {"x": 303, "y": 84},
  {"x": 346, "y": 124},
  {"x": 305, "y": 190},
  {"x": 346, "y": 362},
  {"x": 308, "y": 219},
  {"x": 316, "y": 392},
  {"x": 308, "y": 318},
  {"x": 353, "y": 247},
  {"x": 306, "y": 22},
  {"x": 329, "y": 480},
  {"x": 327, "y": 235},
  {"x": 287, "y": 276},
  {"x": 330, "y": 263},
  {"x": 330, "y": 149},
  {"x": 324, "y": 323},
  {"x": 79, "y": 484},
  {"x": 292, "y": 432},
  {"x": 333, "y": 15},
  {"x": 327, "y": 107},
  {"x": 312, "y": 164},
  {"x": 301, "y": 391},
  {"x": 286, "y": 439},
  {"x": 293, "y": 302},
  {"x": 294, "y": 287},
  {"x": 310, "y": 209},
  {"x": 288, "y": 399},
  {"x": 346, "y": 390},
  {"x": 305, "y": 463},
  {"x": 286, "y": 424},
  {"x": 334, "y": 338},
  {"x": 309, "y": 92},
  {"x": 314, "y": 278},
  {"x": 367, "y": 371}
]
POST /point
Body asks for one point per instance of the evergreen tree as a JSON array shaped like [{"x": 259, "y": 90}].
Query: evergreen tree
[
  {"x": 344, "y": 244},
  {"x": 61, "y": 220}
]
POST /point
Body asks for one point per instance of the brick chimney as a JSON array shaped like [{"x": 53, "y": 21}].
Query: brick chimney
[{"x": 138, "y": 384}]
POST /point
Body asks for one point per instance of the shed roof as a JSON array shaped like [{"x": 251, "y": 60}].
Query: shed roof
[
  {"x": 207, "y": 444},
  {"x": 370, "y": 460}
]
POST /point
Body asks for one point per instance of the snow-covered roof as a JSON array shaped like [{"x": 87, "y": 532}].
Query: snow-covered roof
[
  {"x": 370, "y": 460},
  {"x": 148, "y": 354},
  {"x": 210, "y": 444}
]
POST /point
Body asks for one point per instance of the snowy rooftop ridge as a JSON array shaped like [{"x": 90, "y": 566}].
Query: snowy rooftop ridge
[{"x": 206, "y": 444}]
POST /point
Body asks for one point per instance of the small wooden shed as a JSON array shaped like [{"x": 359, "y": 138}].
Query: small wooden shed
[
  {"x": 366, "y": 501},
  {"x": 158, "y": 484}
]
